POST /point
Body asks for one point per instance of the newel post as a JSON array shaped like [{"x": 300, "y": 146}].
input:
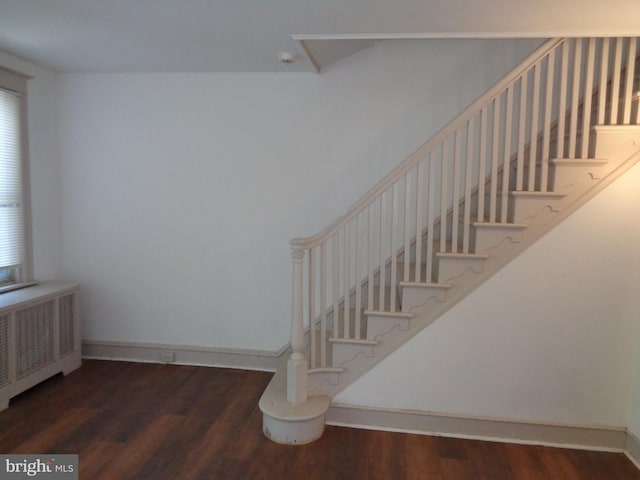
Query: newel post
[{"x": 297, "y": 363}]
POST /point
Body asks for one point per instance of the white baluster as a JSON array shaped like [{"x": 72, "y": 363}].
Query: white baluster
[
  {"x": 482, "y": 168},
  {"x": 407, "y": 227},
  {"x": 533, "y": 141},
  {"x": 562, "y": 108},
  {"x": 297, "y": 364},
  {"x": 430, "y": 222},
  {"x": 522, "y": 124},
  {"x": 394, "y": 241},
  {"x": 575, "y": 98},
  {"x": 335, "y": 253},
  {"x": 636, "y": 95},
  {"x": 312, "y": 306},
  {"x": 323, "y": 304},
  {"x": 443, "y": 198},
  {"x": 546, "y": 128},
  {"x": 615, "y": 83},
  {"x": 346, "y": 303},
  {"x": 588, "y": 94},
  {"x": 604, "y": 75},
  {"x": 383, "y": 260},
  {"x": 467, "y": 188},
  {"x": 455, "y": 180},
  {"x": 628, "y": 91},
  {"x": 358, "y": 274},
  {"x": 506, "y": 157},
  {"x": 419, "y": 196},
  {"x": 495, "y": 152},
  {"x": 371, "y": 256}
]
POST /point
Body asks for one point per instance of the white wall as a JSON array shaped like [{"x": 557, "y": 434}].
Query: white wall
[
  {"x": 44, "y": 166},
  {"x": 550, "y": 338},
  {"x": 633, "y": 422},
  {"x": 181, "y": 191}
]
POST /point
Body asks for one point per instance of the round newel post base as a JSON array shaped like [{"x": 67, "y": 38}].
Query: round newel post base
[{"x": 284, "y": 422}]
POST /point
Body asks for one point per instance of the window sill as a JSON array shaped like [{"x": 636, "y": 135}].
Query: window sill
[{"x": 16, "y": 286}]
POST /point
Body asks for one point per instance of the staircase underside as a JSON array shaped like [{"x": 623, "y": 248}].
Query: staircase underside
[{"x": 533, "y": 214}]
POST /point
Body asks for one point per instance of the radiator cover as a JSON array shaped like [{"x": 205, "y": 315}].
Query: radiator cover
[{"x": 40, "y": 336}]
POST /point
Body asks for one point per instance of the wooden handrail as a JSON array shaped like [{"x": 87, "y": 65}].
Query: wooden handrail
[{"x": 427, "y": 147}]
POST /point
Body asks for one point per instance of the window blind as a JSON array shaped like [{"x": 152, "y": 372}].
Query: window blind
[{"x": 11, "y": 205}]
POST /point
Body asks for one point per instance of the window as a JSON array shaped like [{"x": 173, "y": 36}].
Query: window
[{"x": 14, "y": 267}]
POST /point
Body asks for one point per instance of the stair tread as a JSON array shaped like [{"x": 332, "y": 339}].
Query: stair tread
[
  {"x": 425, "y": 285},
  {"x": 570, "y": 160},
  {"x": 383, "y": 313},
  {"x": 509, "y": 225},
  {"x": 524, "y": 193},
  {"x": 578, "y": 161},
  {"x": 353, "y": 341},
  {"x": 462, "y": 255},
  {"x": 325, "y": 370}
]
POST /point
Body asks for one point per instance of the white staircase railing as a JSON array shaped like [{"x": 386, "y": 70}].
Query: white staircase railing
[{"x": 542, "y": 109}]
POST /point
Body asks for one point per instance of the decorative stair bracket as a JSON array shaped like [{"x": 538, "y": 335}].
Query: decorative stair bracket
[{"x": 545, "y": 139}]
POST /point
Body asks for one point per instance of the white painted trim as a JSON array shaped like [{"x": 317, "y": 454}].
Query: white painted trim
[
  {"x": 16, "y": 286},
  {"x": 317, "y": 67},
  {"x": 246, "y": 359},
  {"x": 633, "y": 449},
  {"x": 461, "y": 35},
  {"x": 599, "y": 438}
]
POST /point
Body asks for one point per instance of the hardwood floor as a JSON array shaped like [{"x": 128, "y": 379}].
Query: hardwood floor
[{"x": 148, "y": 421}]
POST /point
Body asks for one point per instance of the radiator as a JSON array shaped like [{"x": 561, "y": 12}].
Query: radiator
[{"x": 39, "y": 336}]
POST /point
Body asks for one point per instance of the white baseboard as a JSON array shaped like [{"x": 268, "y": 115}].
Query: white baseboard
[
  {"x": 633, "y": 449},
  {"x": 491, "y": 429},
  {"x": 184, "y": 355}
]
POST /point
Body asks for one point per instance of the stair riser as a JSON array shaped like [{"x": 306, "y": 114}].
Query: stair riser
[
  {"x": 616, "y": 142},
  {"x": 486, "y": 239},
  {"x": 550, "y": 185},
  {"x": 526, "y": 208},
  {"x": 565, "y": 177},
  {"x": 413, "y": 297},
  {"x": 378, "y": 326},
  {"x": 344, "y": 353},
  {"x": 321, "y": 381},
  {"x": 449, "y": 269}
]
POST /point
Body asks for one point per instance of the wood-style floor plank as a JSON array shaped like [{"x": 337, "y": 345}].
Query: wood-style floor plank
[
  {"x": 144, "y": 421},
  {"x": 51, "y": 435}
]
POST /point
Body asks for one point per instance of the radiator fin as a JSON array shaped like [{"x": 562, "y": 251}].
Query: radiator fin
[
  {"x": 66, "y": 318},
  {"x": 34, "y": 337},
  {"x": 4, "y": 350}
]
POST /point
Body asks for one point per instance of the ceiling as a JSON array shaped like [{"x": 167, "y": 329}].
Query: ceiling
[{"x": 247, "y": 35}]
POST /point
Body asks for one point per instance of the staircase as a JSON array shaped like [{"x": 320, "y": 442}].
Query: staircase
[{"x": 549, "y": 136}]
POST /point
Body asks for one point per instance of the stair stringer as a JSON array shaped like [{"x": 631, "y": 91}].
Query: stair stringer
[{"x": 618, "y": 145}]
